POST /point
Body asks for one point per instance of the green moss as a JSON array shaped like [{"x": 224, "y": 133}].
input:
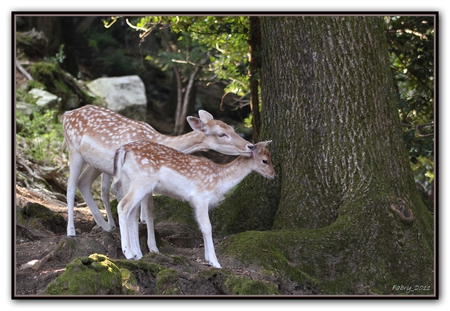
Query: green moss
[
  {"x": 38, "y": 216},
  {"x": 166, "y": 279},
  {"x": 340, "y": 259},
  {"x": 174, "y": 210},
  {"x": 93, "y": 275},
  {"x": 165, "y": 259},
  {"x": 23, "y": 95},
  {"x": 114, "y": 203},
  {"x": 180, "y": 260},
  {"x": 63, "y": 87},
  {"x": 35, "y": 210},
  {"x": 46, "y": 73},
  {"x": 24, "y": 37},
  {"x": 129, "y": 282},
  {"x": 153, "y": 268},
  {"x": 167, "y": 283},
  {"x": 212, "y": 273},
  {"x": 66, "y": 244},
  {"x": 33, "y": 84},
  {"x": 242, "y": 212},
  {"x": 177, "y": 212},
  {"x": 268, "y": 250},
  {"x": 237, "y": 285},
  {"x": 58, "y": 82},
  {"x": 231, "y": 284}
]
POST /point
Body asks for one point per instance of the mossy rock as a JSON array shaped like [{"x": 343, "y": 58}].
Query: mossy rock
[
  {"x": 333, "y": 260},
  {"x": 155, "y": 278},
  {"x": 62, "y": 84},
  {"x": 32, "y": 43},
  {"x": 129, "y": 282},
  {"x": 174, "y": 210},
  {"x": 230, "y": 284},
  {"x": 175, "y": 222},
  {"x": 93, "y": 275},
  {"x": 241, "y": 212},
  {"x": 166, "y": 260},
  {"x": 237, "y": 285},
  {"x": 167, "y": 283},
  {"x": 38, "y": 216},
  {"x": 69, "y": 248}
]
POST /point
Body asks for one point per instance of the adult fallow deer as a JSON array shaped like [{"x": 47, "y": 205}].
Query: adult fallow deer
[{"x": 92, "y": 134}]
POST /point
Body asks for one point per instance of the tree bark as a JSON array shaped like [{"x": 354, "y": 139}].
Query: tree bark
[
  {"x": 334, "y": 115},
  {"x": 255, "y": 55},
  {"x": 344, "y": 207}
]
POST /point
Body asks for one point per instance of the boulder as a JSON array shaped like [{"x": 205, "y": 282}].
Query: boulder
[
  {"x": 44, "y": 99},
  {"x": 26, "y": 108},
  {"x": 93, "y": 275},
  {"x": 125, "y": 95}
]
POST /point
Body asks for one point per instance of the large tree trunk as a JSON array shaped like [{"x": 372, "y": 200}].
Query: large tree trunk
[
  {"x": 333, "y": 121},
  {"x": 254, "y": 42},
  {"x": 344, "y": 187}
]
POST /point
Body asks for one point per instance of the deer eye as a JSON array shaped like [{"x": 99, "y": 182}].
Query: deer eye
[
  {"x": 222, "y": 135},
  {"x": 265, "y": 161}
]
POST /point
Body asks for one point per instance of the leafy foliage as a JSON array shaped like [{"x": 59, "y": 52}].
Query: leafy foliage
[
  {"x": 42, "y": 134},
  {"x": 411, "y": 48},
  {"x": 227, "y": 37},
  {"x": 223, "y": 38}
]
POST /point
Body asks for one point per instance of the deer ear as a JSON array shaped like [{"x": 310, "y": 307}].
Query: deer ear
[
  {"x": 262, "y": 144},
  {"x": 267, "y": 142},
  {"x": 205, "y": 116},
  {"x": 197, "y": 124},
  {"x": 259, "y": 146}
]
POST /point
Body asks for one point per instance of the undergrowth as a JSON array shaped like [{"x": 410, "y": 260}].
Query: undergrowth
[{"x": 42, "y": 135}]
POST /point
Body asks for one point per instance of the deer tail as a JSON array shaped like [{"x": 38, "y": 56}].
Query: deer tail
[{"x": 119, "y": 160}]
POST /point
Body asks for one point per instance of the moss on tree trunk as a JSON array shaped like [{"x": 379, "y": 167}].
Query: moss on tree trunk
[{"x": 344, "y": 210}]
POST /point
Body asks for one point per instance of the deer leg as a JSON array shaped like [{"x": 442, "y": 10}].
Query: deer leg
[
  {"x": 201, "y": 213},
  {"x": 133, "y": 232},
  {"x": 144, "y": 212},
  {"x": 148, "y": 206},
  {"x": 106, "y": 178},
  {"x": 118, "y": 191},
  {"x": 84, "y": 184},
  {"x": 128, "y": 222},
  {"x": 76, "y": 164}
]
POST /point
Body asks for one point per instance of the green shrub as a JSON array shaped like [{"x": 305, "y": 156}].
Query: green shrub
[{"x": 42, "y": 134}]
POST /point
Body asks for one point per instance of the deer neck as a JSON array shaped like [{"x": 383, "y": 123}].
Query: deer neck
[
  {"x": 234, "y": 172},
  {"x": 186, "y": 143}
]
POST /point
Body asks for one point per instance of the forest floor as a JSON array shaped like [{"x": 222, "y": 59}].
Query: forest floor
[{"x": 37, "y": 264}]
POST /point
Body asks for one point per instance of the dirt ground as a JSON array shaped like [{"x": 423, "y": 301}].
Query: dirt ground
[
  {"x": 37, "y": 264},
  {"x": 32, "y": 244}
]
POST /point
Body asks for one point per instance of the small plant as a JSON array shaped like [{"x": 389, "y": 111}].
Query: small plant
[
  {"x": 60, "y": 56},
  {"x": 42, "y": 133}
]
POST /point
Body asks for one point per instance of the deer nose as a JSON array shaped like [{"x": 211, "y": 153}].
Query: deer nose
[{"x": 251, "y": 146}]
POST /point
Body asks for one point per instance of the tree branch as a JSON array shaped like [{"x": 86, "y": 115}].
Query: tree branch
[
  {"x": 417, "y": 126},
  {"x": 23, "y": 71}
]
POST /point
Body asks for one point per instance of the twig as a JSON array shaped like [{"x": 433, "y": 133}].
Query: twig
[
  {"x": 30, "y": 171},
  {"x": 417, "y": 126},
  {"x": 23, "y": 71},
  {"x": 38, "y": 265}
]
